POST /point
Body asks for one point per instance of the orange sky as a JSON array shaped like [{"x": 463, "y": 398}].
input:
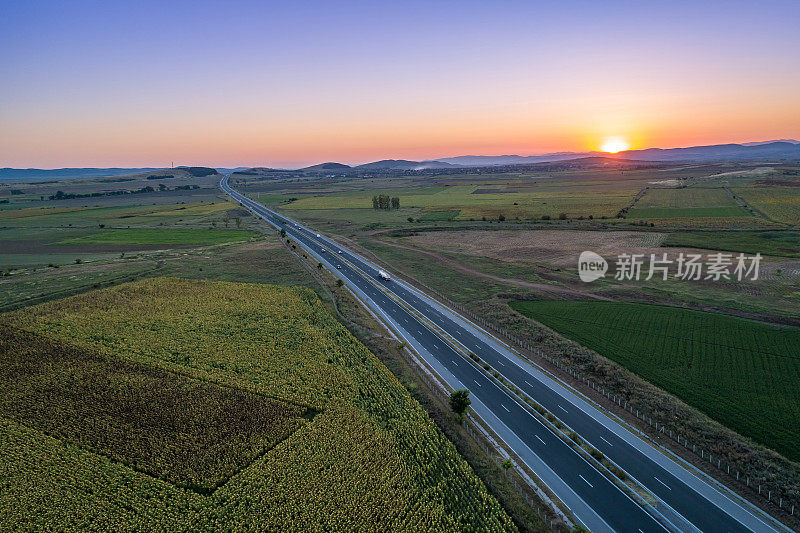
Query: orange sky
[{"x": 286, "y": 86}]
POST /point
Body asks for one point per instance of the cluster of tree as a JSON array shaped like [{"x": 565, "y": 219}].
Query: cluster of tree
[
  {"x": 201, "y": 171},
  {"x": 384, "y": 201},
  {"x": 61, "y": 195}
]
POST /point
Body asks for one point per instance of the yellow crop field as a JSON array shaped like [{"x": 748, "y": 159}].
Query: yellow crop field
[
  {"x": 778, "y": 203},
  {"x": 370, "y": 457}
]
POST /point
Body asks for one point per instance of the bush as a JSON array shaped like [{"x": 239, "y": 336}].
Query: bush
[{"x": 460, "y": 402}]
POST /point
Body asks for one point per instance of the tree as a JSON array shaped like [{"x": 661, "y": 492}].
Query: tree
[
  {"x": 238, "y": 222},
  {"x": 507, "y": 464},
  {"x": 562, "y": 216},
  {"x": 460, "y": 402},
  {"x": 411, "y": 219},
  {"x": 400, "y": 347},
  {"x": 283, "y": 233},
  {"x": 375, "y": 204},
  {"x": 395, "y": 202},
  {"x": 319, "y": 266},
  {"x": 501, "y": 217},
  {"x": 339, "y": 282}
]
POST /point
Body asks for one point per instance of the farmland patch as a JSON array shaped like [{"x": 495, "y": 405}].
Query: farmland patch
[
  {"x": 158, "y": 236},
  {"x": 372, "y": 458},
  {"x": 742, "y": 373},
  {"x": 191, "y": 433}
]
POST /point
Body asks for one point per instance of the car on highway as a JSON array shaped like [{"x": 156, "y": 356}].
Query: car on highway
[
  {"x": 384, "y": 275},
  {"x": 340, "y": 252},
  {"x": 339, "y": 267}
]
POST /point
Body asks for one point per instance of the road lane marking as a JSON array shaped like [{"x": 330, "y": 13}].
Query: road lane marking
[
  {"x": 654, "y": 477},
  {"x": 583, "y": 478},
  {"x": 506, "y": 408},
  {"x": 607, "y": 442},
  {"x": 476, "y": 383},
  {"x": 455, "y": 363},
  {"x": 528, "y": 383},
  {"x": 540, "y": 439},
  {"x": 563, "y": 409}
]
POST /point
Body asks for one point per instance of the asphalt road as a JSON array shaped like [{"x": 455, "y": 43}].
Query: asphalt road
[{"x": 688, "y": 501}]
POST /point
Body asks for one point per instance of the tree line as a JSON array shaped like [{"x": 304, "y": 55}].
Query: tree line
[
  {"x": 384, "y": 201},
  {"x": 61, "y": 195}
]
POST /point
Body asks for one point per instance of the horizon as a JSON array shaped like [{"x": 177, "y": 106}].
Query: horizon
[
  {"x": 589, "y": 153},
  {"x": 114, "y": 85}
]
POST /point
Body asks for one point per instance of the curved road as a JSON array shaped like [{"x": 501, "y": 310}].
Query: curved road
[{"x": 688, "y": 501}]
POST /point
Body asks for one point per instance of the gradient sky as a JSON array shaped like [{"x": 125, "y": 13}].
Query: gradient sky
[{"x": 285, "y": 84}]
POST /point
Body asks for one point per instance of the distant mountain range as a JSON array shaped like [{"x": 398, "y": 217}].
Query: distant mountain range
[
  {"x": 785, "y": 149},
  {"x": 768, "y": 150},
  {"x": 778, "y": 150}
]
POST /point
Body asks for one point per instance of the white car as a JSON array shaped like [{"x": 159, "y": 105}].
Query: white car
[{"x": 340, "y": 251}]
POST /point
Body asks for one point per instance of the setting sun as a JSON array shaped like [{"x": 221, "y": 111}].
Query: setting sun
[{"x": 614, "y": 145}]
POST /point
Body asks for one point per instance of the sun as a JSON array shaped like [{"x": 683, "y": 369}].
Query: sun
[{"x": 614, "y": 144}]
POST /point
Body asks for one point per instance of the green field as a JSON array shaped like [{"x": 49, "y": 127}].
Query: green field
[
  {"x": 742, "y": 373},
  {"x": 435, "y": 216},
  {"x": 778, "y": 243},
  {"x": 156, "y": 236},
  {"x": 51, "y": 215},
  {"x": 687, "y": 203},
  {"x": 370, "y": 458},
  {"x": 528, "y": 201},
  {"x": 688, "y": 212}
]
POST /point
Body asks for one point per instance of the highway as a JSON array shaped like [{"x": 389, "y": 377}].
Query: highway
[{"x": 689, "y": 502}]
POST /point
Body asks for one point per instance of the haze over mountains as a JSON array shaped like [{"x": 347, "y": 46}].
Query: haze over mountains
[
  {"x": 778, "y": 150},
  {"x": 787, "y": 149}
]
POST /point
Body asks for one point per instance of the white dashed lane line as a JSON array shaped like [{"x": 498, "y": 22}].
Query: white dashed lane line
[
  {"x": 563, "y": 409},
  {"x": 583, "y": 478},
  {"x": 540, "y": 439},
  {"x": 607, "y": 442},
  {"x": 506, "y": 408},
  {"x": 654, "y": 477}
]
